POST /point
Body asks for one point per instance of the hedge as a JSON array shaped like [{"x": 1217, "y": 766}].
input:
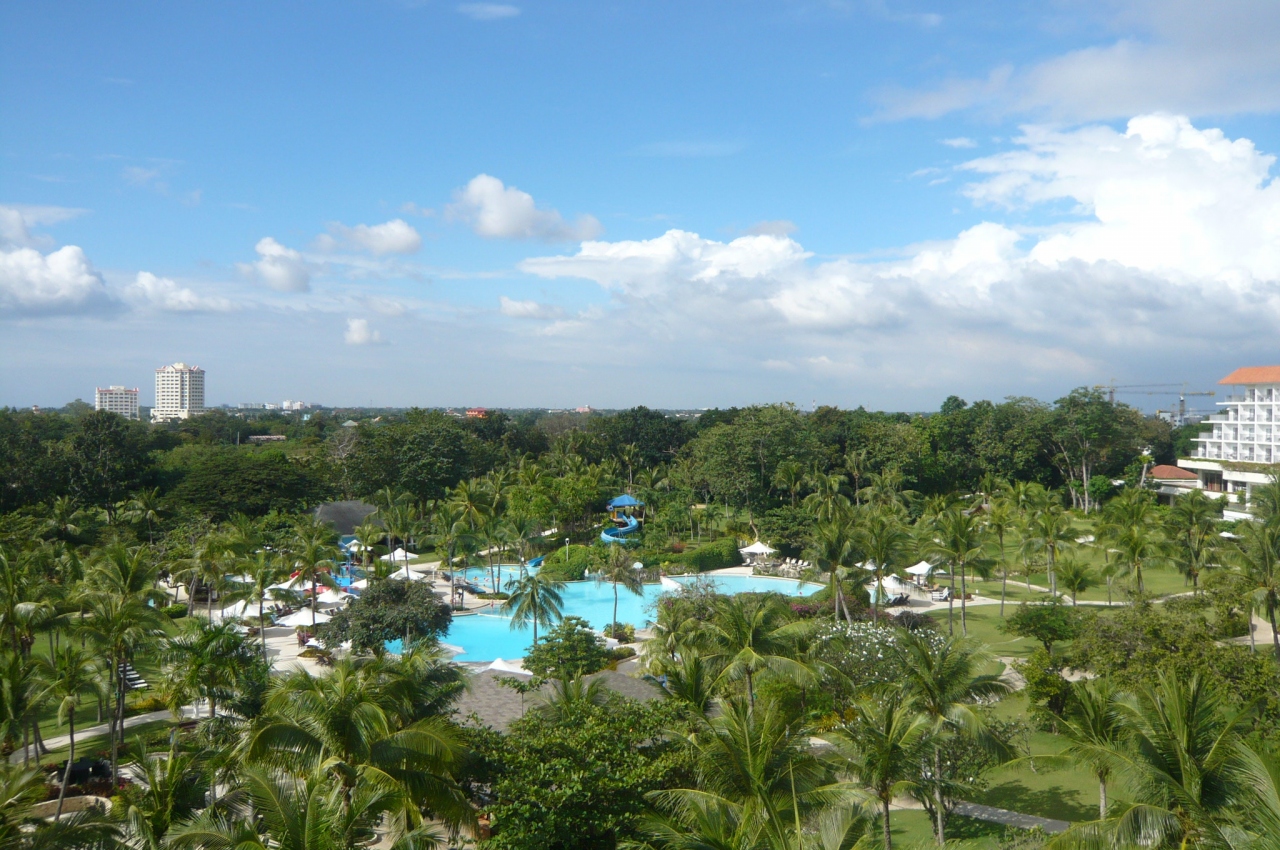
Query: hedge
[
  {"x": 176, "y": 611},
  {"x": 710, "y": 556}
]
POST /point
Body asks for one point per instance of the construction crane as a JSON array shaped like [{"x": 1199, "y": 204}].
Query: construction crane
[{"x": 1141, "y": 389}]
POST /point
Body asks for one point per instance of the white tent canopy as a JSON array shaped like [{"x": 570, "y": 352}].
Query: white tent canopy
[
  {"x": 758, "y": 548},
  {"x": 399, "y": 555},
  {"x": 508, "y": 667},
  {"x": 239, "y": 609},
  {"x": 333, "y": 596},
  {"x": 924, "y": 568},
  {"x": 894, "y": 584},
  {"x": 302, "y": 617}
]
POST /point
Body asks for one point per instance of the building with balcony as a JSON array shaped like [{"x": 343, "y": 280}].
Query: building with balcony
[
  {"x": 117, "y": 400},
  {"x": 1243, "y": 447},
  {"x": 179, "y": 392}
]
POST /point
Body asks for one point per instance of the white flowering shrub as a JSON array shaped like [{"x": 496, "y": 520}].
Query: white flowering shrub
[{"x": 864, "y": 652}]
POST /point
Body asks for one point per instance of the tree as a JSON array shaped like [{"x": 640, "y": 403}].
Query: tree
[
  {"x": 883, "y": 539},
  {"x": 1128, "y": 528},
  {"x": 881, "y": 743},
  {"x": 1076, "y": 577},
  {"x": 1191, "y": 528},
  {"x": 752, "y": 633},
  {"x": 535, "y": 600},
  {"x": 21, "y": 790},
  {"x": 959, "y": 539},
  {"x": 106, "y": 457},
  {"x": 1049, "y": 530},
  {"x": 67, "y": 676},
  {"x": 832, "y": 552},
  {"x": 206, "y": 660},
  {"x": 619, "y": 571},
  {"x": 568, "y": 651},
  {"x": 167, "y": 788},
  {"x": 391, "y": 609},
  {"x": 1047, "y": 622},
  {"x": 313, "y": 553},
  {"x": 1258, "y": 555},
  {"x": 1086, "y": 431},
  {"x": 1095, "y": 723},
  {"x": 1001, "y": 519},
  {"x": 945, "y": 681}
]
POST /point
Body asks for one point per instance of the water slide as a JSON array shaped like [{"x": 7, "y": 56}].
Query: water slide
[{"x": 619, "y": 534}]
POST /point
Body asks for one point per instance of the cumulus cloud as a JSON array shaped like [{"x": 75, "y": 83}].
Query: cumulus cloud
[
  {"x": 392, "y": 237},
  {"x": 527, "y": 309},
  {"x": 359, "y": 333},
  {"x": 63, "y": 281},
  {"x": 18, "y": 220},
  {"x": 165, "y": 294},
  {"x": 488, "y": 11},
  {"x": 1181, "y": 55},
  {"x": 280, "y": 268},
  {"x": 504, "y": 212},
  {"x": 1174, "y": 250}
]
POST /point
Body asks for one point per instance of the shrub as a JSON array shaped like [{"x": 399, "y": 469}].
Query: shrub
[
  {"x": 580, "y": 559},
  {"x": 176, "y": 611},
  {"x": 913, "y": 621},
  {"x": 623, "y": 632},
  {"x": 711, "y": 556},
  {"x": 389, "y": 610},
  {"x": 568, "y": 651},
  {"x": 143, "y": 703},
  {"x": 502, "y": 594},
  {"x": 621, "y": 653}
]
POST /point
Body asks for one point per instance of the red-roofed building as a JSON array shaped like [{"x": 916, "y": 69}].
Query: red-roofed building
[{"x": 1240, "y": 446}]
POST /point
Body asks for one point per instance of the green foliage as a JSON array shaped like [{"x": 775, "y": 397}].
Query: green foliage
[
  {"x": 715, "y": 555},
  {"x": 786, "y": 529},
  {"x": 176, "y": 611},
  {"x": 221, "y": 481},
  {"x": 1048, "y": 622},
  {"x": 389, "y": 609},
  {"x": 580, "y": 559},
  {"x": 622, "y": 632},
  {"x": 568, "y": 651},
  {"x": 1048, "y": 693},
  {"x": 577, "y": 779},
  {"x": 422, "y": 455}
]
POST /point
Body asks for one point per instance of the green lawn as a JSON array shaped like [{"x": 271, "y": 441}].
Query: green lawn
[
  {"x": 912, "y": 831},
  {"x": 983, "y": 622}
]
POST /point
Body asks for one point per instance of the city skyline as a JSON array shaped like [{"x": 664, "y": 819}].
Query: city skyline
[{"x": 517, "y": 205}]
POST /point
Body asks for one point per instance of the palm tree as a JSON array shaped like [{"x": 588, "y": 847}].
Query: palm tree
[
  {"x": 21, "y": 790},
  {"x": 1258, "y": 556},
  {"x": 1185, "y": 767},
  {"x": 66, "y": 676},
  {"x": 855, "y": 464},
  {"x": 1049, "y": 531},
  {"x": 1076, "y": 577},
  {"x": 790, "y": 476},
  {"x": 313, "y": 553},
  {"x": 166, "y": 789},
  {"x": 832, "y": 552},
  {"x": 534, "y": 599},
  {"x": 1095, "y": 725},
  {"x": 1135, "y": 547},
  {"x": 145, "y": 507},
  {"x": 751, "y": 633},
  {"x": 618, "y": 571},
  {"x": 1191, "y": 529},
  {"x": 691, "y": 678},
  {"x": 886, "y": 488},
  {"x": 826, "y": 501},
  {"x": 880, "y": 743},
  {"x": 370, "y": 536},
  {"x": 959, "y": 539},
  {"x": 266, "y": 570},
  {"x": 205, "y": 660},
  {"x": 946, "y": 683},
  {"x": 1001, "y": 519},
  {"x": 883, "y": 539}
]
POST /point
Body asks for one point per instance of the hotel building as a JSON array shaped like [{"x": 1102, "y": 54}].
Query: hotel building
[
  {"x": 117, "y": 400},
  {"x": 179, "y": 392}
]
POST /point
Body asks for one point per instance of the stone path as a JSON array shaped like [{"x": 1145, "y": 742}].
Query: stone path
[
  {"x": 90, "y": 732},
  {"x": 1002, "y": 816}
]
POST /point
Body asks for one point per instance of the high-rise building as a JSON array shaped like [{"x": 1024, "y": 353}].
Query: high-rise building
[
  {"x": 117, "y": 400},
  {"x": 179, "y": 392}
]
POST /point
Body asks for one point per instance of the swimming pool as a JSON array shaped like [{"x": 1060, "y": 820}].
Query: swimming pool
[{"x": 487, "y": 634}]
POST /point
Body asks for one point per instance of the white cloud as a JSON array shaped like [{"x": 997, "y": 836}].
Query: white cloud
[
  {"x": 280, "y": 268},
  {"x": 1173, "y": 252},
  {"x": 359, "y": 333},
  {"x": 59, "y": 282},
  {"x": 392, "y": 237},
  {"x": 959, "y": 142},
  {"x": 18, "y": 220},
  {"x": 505, "y": 212},
  {"x": 781, "y": 227},
  {"x": 527, "y": 309},
  {"x": 1179, "y": 55},
  {"x": 488, "y": 11},
  {"x": 165, "y": 294}
]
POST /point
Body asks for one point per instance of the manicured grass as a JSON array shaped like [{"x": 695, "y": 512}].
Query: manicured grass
[
  {"x": 983, "y": 622},
  {"x": 912, "y": 831}
]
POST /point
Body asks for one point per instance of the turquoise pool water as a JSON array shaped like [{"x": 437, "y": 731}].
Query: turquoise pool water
[{"x": 487, "y": 634}]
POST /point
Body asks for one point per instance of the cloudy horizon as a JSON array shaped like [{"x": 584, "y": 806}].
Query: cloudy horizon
[{"x": 506, "y": 205}]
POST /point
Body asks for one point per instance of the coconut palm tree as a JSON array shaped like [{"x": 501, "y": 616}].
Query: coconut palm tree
[
  {"x": 832, "y": 552},
  {"x": 1184, "y": 766},
  {"x": 167, "y": 788},
  {"x": 617, "y": 570},
  {"x": 1075, "y": 577},
  {"x": 66, "y": 676},
  {"x": 313, "y": 553},
  {"x": 371, "y": 537},
  {"x": 881, "y": 743},
  {"x": 534, "y": 599},
  {"x": 21, "y": 789},
  {"x": 1001, "y": 519},
  {"x": 946, "y": 682},
  {"x": 689, "y": 677},
  {"x": 205, "y": 660},
  {"x": 883, "y": 539},
  {"x": 826, "y": 502},
  {"x": 144, "y": 506},
  {"x": 1095, "y": 724},
  {"x": 752, "y": 633},
  {"x": 266, "y": 570},
  {"x": 1258, "y": 556},
  {"x": 959, "y": 539},
  {"x": 1049, "y": 531},
  {"x": 790, "y": 476},
  {"x": 1191, "y": 528}
]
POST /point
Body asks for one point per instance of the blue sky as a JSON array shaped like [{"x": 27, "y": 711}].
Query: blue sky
[{"x": 673, "y": 204}]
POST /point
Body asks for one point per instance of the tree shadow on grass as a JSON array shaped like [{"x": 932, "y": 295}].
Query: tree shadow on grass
[
  {"x": 1057, "y": 802},
  {"x": 960, "y": 827}
]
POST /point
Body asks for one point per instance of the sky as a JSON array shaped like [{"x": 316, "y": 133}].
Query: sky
[{"x": 675, "y": 204}]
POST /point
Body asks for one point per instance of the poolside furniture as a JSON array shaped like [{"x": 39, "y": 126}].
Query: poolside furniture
[{"x": 942, "y": 595}]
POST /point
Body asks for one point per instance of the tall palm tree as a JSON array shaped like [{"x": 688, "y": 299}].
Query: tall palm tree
[
  {"x": 1191, "y": 527},
  {"x": 1001, "y": 519},
  {"x": 832, "y": 551},
  {"x": 370, "y": 536},
  {"x": 144, "y": 506},
  {"x": 959, "y": 539},
  {"x": 1049, "y": 531},
  {"x": 1184, "y": 765},
  {"x": 617, "y": 570},
  {"x": 205, "y": 660},
  {"x": 883, "y": 539},
  {"x": 946, "y": 682},
  {"x": 1095, "y": 724},
  {"x": 752, "y": 633},
  {"x": 790, "y": 476},
  {"x": 534, "y": 599},
  {"x": 313, "y": 554},
  {"x": 881, "y": 743},
  {"x": 166, "y": 789},
  {"x": 826, "y": 501},
  {"x": 67, "y": 675},
  {"x": 855, "y": 465},
  {"x": 1258, "y": 556},
  {"x": 266, "y": 570}
]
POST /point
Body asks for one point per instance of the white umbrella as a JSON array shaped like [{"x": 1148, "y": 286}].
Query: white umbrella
[
  {"x": 302, "y": 617},
  {"x": 924, "y": 568},
  {"x": 399, "y": 555},
  {"x": 508, "y": 667},
  {"x": 237, "y": 610},
  {"x": 332, "y": 596},
  {"x": 450, "y": 650},
  {"x": 758, "y": 548}
]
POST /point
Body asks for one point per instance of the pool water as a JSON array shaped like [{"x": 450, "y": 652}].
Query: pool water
[{"x": 487, "y": 635}]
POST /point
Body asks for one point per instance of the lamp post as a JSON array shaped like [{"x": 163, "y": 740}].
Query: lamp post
[{"x": 566, "y": 552}]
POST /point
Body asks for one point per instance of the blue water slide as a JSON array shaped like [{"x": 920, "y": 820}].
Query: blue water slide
[
  {"x": 619, "y": 534},
  {"x": 536, "y": 562}
]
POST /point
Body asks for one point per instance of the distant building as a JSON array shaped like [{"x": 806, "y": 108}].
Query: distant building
[
  {"x": 117, "y": 400},
  {"x": 585, "y": 409},
  {"x": 179, "y": 392},
  {"x": 268, "y": 438},
  {"x": 477, "y": 413},
  {"x": 294, "y": 405},
  {"x": 1237, "y": 455}
]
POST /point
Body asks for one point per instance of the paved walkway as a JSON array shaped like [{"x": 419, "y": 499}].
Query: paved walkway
[
  {"x": 100, "y": 730},
  {"x": 1003, "y": 816}
]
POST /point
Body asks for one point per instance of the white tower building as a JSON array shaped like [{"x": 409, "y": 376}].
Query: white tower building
[
  {"x": 179, "y": 392},
  {"x": 117, "y": 400}
]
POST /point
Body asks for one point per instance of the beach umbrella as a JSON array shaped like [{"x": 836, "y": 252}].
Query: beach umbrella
[
  {"x": 332, "y": 596},
  {"x": 758, "y": 548},
  {"x": 302, "y": 617}
]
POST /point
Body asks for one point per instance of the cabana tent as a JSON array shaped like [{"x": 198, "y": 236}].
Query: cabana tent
[{"x": 302, "y": 617}]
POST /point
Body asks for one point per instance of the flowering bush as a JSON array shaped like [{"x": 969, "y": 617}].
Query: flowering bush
[{"x": 864, "y": 652}]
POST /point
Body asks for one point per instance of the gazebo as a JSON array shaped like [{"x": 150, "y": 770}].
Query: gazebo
[{"x": 756, "y": 551}]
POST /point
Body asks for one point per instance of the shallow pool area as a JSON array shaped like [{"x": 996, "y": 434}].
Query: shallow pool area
[{"x": 487, "y": 634}]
